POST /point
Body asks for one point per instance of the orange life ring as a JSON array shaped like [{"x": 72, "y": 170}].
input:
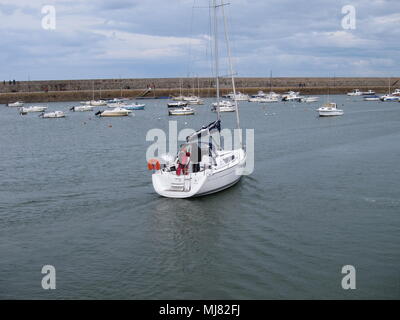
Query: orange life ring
[{"x": 153, "y": 164}]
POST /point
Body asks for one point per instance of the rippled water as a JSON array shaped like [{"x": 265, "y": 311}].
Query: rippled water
[{"x": 75, "y": 193}]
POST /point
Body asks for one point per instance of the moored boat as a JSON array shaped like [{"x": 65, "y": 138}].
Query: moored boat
[
  {"x": 368, "y": 93},
  {"x": 372, "y": 98},
  {"x": 15, "y": 104},
  {"x": 81, "y": 108},
  {"x": 134, "y": 106},
  {"x": 184, "y": 111},
  {"x": 355, "y": 92},
  {"x": 116, "y": 112},
  {"x": 52, "y": 115},
  {"x": 178, "y": 104},
  {"x": 25, "y": 110},
  {"x": 329, "y": 110},
  {"x": 223, "y": 106},
  {"x": 309, "y": 99}
]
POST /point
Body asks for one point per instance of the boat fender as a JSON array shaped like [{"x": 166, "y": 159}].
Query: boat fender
[{"x": 153, "y": 164}]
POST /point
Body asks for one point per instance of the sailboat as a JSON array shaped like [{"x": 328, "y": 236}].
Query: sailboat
[
  {"x": 390, "y": 97},
  {"x": 202, "y": 168}
]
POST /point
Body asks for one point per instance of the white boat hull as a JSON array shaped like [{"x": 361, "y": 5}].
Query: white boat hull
[
  {"x": 201, "y": 183},
  {"x": 25, "y": 110},
  {"x": 330, "y": 113},
  {"x": 53, "y": 115},
  {"x": 15, "y": 104}
]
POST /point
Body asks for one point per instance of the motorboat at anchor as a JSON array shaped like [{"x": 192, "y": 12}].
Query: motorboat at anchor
[
  {"x": 193, "y": 100},
  {"x": 372, "y": 98},
  {"x": 17, "y": 104},
  {"x": 223, "y": 106},
  {"x": 184, "y": 111},
  {"x": 355, "y": 92},
  {"x": 309, "y": 99},
  {"x": 26, "y": 110},
  {"x": 81, "y": 108},
  {"x": 368, "y": 93},
  {"x": 329, "y": 110},
  {"x": 389, "y": 98},
  {"x": 178, "y": 104},
  {"x": 116, "y": 112},
  {"x": 292, "y": 96},
  {"x": 396, "y": 93},
  {"x": 52, "y": 115}
]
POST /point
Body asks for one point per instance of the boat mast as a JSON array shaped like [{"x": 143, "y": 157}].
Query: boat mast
[
  {"x": 270, "y": 82},
  {"x": 228, "y": 48},
  {"x": 216, "y": 54}
]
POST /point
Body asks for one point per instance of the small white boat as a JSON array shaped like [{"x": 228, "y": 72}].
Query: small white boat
[
  {"x": 193, "y": 100},
  {"x": 329, "y": 110},
  {"x": 355, "y": 92},
  {"x": 117, "y": 100},
  {"x": 224, "y": 106},
  {"x": 396, "y": 93},
  {"x": 185, "y": 111},
  {"x": 371, "y": 98},
  {"x": 238, "y": 96},
  {"x": 368, "y": 93},
  {"x": 116, "y": 112},
  {"x": 266, "y": 99},
  {"x": 291, "y": 96},
  {"x": 15, "y": 104},
  {"x": 98, "y": 103},
  {"x": 389, "y": 98},
  {"x": 116, "y": 105},
  {"x": 81, "y": 108},
  {"x": 309, "y": 99},
  {"x": 179, "y": 98},
  {"x": 51, "y": 115},
  {"x": 179, "y": 104},
  {"x": 256, "y": 99},
  {"x": 25, "y": 110},
  {"x": 134, "y": 106}
]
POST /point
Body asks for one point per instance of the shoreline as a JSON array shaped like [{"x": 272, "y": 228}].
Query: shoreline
[{"x": 82, "y": 90}]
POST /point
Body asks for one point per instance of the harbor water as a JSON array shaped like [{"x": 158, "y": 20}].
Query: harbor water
[{"x": 75, "y": 193}]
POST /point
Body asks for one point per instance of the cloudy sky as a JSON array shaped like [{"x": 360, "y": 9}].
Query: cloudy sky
[{"x": 170, "y": 38}]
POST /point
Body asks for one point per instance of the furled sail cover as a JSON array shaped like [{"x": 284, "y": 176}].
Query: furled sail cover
[{"x": 205, "y": 131}]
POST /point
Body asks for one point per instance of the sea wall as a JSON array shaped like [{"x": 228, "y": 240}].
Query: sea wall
[{"x": 76, "y": 90}]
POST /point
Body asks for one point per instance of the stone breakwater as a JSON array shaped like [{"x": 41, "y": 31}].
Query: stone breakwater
[{"x": 77, "y": 90}]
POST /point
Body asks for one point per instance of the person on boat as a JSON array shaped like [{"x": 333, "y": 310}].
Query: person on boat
[{"x": 183, "y": 161}]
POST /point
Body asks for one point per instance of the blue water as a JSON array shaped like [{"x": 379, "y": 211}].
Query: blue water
[{"x": 75, "y": 193}]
